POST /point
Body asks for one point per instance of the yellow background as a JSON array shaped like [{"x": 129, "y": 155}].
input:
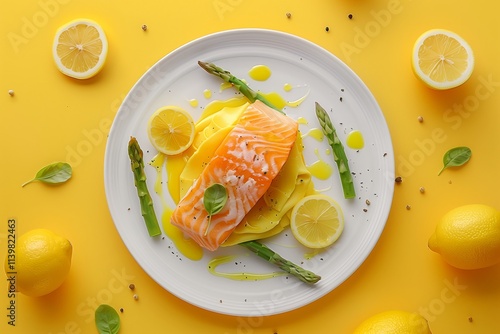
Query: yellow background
[{"x": 51, "y": 117}]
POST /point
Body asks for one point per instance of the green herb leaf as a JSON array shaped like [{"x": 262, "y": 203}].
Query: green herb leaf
[
  {"x": 56, "y": 172},
  {"x": 214, "y": 199},
  {"x": 455, "y": 157},
  {"x": 107, "y": 320}
]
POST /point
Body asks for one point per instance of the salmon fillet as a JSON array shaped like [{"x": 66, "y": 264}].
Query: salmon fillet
[{"x": 245, "y": 163}]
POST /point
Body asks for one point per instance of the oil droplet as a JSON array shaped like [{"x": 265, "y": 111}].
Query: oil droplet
[
  {"x": 260, "y": 72},
  {"x": 320, "y": 169},
  {"x": 193, "y": 102},
  {"x": 355, "y": 140},
  {"x": 238, "y": 276},
  {"x": 275, "y": 99},
  {"x": 311, "y": 254},
  {"x": 302, "y": 120},
  {"x": 315, "y": 133},
  {"x": 287, "y": 87},
  {"x": 279, "y": 102},
  {"x": 224, "y": 86},
  {"x": 187, "y": 247},
  {"x": 175, "y": 165},
  {"x": 207, "y": 93},
  {"x": 298, "y": 102},
  {"x": 157, "y": 162}
]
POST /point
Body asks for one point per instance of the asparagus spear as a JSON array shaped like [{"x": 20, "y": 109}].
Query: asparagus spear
[
  {"x": 137, "y": 166},
  {"x": 338, "y": 152},
  {"x": 238, "y": 83},
  {"x": 269, "y": 255}
]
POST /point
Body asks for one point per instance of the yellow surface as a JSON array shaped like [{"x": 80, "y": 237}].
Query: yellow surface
[{"x": 52, "y": 117}]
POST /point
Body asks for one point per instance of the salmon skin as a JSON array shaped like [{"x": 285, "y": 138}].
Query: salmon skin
[{"x": 245, "y": 163}]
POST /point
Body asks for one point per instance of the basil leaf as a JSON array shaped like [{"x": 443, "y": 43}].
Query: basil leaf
[
  {"x": 455, "y": 157},
  {"x": 107, "y": 320},
  {"x": 214, "y": 199},
  {"x": 56, "y": 172}
]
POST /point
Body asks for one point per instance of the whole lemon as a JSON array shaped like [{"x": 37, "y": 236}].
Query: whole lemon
[
  {"x": 394, "y": 322},
  {"x": 468, "y": 237},
  {"x": 42, "y": 262}
]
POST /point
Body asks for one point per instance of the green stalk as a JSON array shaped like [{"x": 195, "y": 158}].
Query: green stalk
[
  {"x": 241, "y": 86},
  {"x": 137, "y": 166},
  {"x": 338, "y": 152},
  {"x": 270, "y": 256}
]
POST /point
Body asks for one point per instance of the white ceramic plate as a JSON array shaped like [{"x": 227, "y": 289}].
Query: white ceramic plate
[{"x": 175, "y": 80}]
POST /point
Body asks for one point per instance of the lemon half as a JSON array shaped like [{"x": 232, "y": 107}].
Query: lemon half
[
  {"x": 317, "y": 221},
  {"x": 442, "y": 59},
  {"x": 80, "y": 48}
]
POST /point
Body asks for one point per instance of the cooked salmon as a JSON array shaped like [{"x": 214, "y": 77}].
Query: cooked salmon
[{"x": 245, "y": 163}]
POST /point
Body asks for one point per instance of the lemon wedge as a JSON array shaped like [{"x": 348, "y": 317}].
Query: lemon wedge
[
  {"x": 171, "y": 130},
  {"x": 317, "y": 221},
  {"x": 80, "y": 48},
  {"x": 442, "y": 59}
]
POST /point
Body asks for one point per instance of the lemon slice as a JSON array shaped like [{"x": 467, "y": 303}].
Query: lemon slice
[
  {"x": 442, "y": 59},
  {"x": 80, "y": 48},
  {"x": 171, "y": 130},
  {"x": 317, "y": 221}
]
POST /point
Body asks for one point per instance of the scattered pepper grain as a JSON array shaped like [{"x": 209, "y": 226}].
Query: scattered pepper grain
[
  {"x": 420, "y": 119},
  {"x": 408, "y": 207},
  {"x": 288, "y": 15},
  {"x": 368, "y": 202},
  {"x": 144, "y": 27},
  {"x": 399, "y": 179},
  {"x": 11, "y": 92},
  {"x": 136, "y": 297},
  {"x": 121, "y": 309},
  {"x": 470, "y": 319},
  {"x": 131, "y": 286},
  {"x": 350, "y": 16},
  {"x": 422, "y": 190},
  {"x": 327, "y": 29}
]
